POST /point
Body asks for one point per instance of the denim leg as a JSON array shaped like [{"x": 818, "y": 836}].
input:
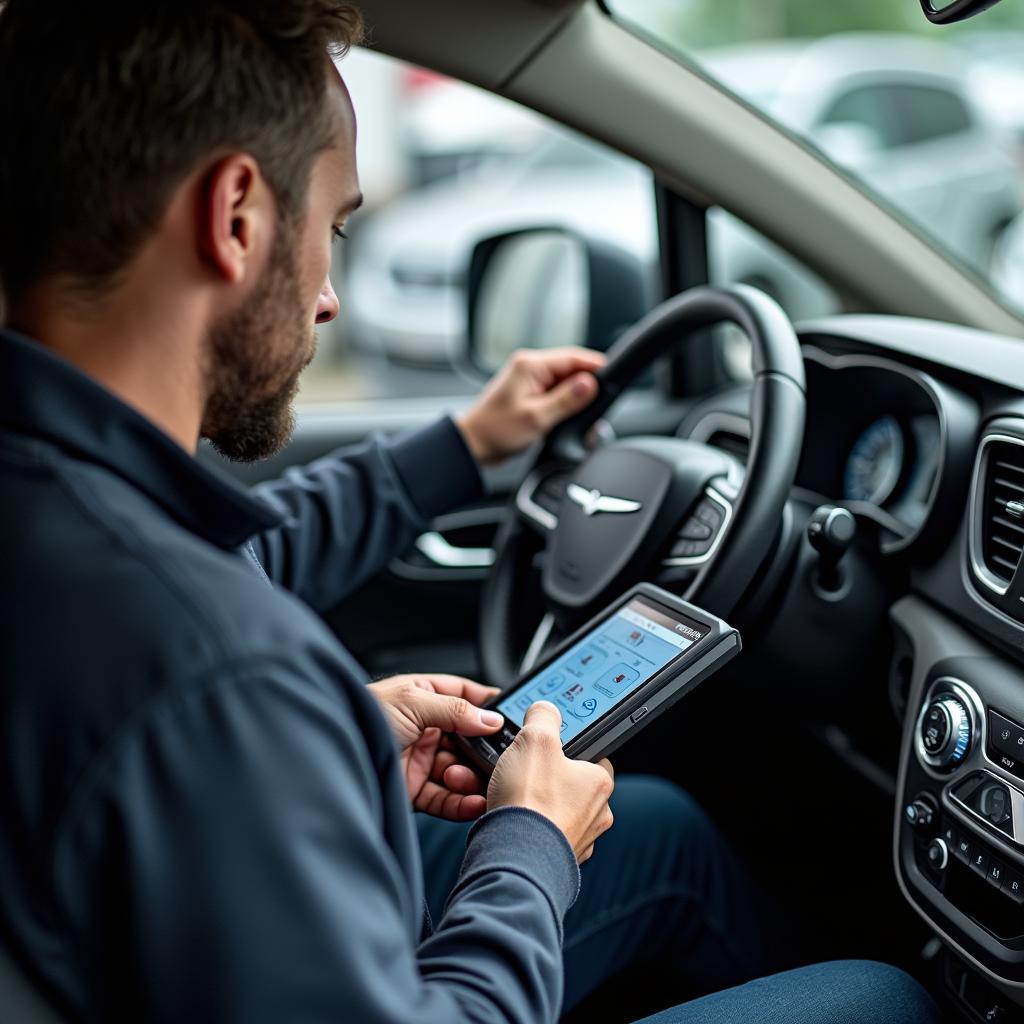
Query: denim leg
[
  {"x": 662, "y": 887},
  {"x": 841, "y": 992}
]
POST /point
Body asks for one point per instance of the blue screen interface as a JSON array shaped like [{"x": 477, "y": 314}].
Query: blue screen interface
[{"x": 606, "y": 666}]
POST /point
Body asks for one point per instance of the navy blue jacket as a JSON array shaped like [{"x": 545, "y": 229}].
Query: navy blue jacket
[{"x": 202, "y": 814}]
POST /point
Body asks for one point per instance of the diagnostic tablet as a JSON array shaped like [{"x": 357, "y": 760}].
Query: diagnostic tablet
[{"x": 614, "y": 675}]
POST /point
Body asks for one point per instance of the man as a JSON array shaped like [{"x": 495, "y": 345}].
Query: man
[{"x": 204, "y": 807}]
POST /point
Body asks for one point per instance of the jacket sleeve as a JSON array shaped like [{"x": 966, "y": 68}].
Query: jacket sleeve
[
  {"x": 345, "y": 516},
  {"x": 234, "y": 860}
]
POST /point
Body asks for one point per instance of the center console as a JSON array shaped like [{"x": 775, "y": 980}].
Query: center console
[{"x": 959, "y": 824}]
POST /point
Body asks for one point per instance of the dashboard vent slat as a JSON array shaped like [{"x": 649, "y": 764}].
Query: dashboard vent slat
[{"x": 1002, "y": 535}]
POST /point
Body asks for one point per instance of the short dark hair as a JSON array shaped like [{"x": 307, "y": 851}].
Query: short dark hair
[{"x": 106, "y": 107}]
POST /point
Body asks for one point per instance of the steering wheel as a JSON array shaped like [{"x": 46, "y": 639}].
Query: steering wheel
[{"x": 666, "y": 510}]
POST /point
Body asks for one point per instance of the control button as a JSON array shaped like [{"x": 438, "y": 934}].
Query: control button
[
  {"x": 1012, "y": 885},
  {"x": 638, "y": 714},
  {"x": 694, "y": 529},
  {"x": 685, "y": 549},
  {"x": 950, "y": 835},
  {"x": 487, "y": 750},
  {"x": 938, "y": 854},
  {"x": 919, "y": 814},
  {"x": 964, "y": 849},
  {"x": 979, "y": 862},
  {"x": 1006, "y": 762},
  {"x": 995, "y": 873},
  {"x": 1007, "y": 737},
  {"x": 709, "y": 513},
  {"x": 944, "y": 731},
  {"x": 935, "y": 729}
]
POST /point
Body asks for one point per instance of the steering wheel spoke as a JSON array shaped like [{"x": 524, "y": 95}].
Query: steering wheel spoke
[{"x": 541, "y": 495}]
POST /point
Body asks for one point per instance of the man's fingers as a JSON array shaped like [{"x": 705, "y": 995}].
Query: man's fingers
[
  {"x": 607, "y": 766},
  {"x": 459, "y": 778},
  {"x": 565, "y": 399},
  {"x": 543, "y": 715},
  {"x": 452, "y": 714},
  {"x": 561, "y": 362},
  {"x": 458, "y": 686}
]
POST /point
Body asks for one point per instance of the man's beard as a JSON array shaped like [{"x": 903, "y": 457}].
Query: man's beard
[{"x": 255, "y": 357}]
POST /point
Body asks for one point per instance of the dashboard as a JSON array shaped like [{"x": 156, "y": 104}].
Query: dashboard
[{"x": 917, "y": 428}]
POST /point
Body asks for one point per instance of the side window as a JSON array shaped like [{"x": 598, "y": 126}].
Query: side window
[
  {"x": 442, "y": 165},
  {"x": 737, "y": 254},
  {"x": 870, "y": 107},
  {"x": 926, "y": 112}
]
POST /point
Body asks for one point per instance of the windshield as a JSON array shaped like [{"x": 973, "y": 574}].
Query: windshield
[{"x": 930, "y": 120}]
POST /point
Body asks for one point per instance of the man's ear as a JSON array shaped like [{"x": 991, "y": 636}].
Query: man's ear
[{"x": 236, "y": 218}]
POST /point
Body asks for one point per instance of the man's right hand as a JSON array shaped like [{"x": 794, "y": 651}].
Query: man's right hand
[{"x": 535, "y": 773}]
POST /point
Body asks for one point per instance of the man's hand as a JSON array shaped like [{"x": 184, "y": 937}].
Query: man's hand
[
  {"x": 420, "y": 710},
  {"x": 534, "y": 391},
  {"x": 535, "y": 773}
]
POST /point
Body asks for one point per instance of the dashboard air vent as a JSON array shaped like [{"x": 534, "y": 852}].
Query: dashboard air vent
[{"x": 999, "y": 511}]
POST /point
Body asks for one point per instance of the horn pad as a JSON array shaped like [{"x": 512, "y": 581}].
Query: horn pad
[{"x": 622, "y": 504}]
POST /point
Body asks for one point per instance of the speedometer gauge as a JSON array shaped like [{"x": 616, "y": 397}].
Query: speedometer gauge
[{"x": 875, "y": 463}]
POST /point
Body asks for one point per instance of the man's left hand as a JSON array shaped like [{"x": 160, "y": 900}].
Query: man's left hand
[
  {"x": 421, "y": 709},
  {"x": 533, "y": 392}
]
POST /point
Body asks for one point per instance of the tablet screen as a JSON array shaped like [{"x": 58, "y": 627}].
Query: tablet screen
[{"x": 606, "y": 666}]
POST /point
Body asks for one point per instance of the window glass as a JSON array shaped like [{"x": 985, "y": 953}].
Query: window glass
[
  {"x": 871, "y": 108},
  {"x": 867, "y": 84},
  {"x": 443, "y": 165}
]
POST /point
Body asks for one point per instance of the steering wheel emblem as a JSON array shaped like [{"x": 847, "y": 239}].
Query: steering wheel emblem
[{"x": 593, "y": 502}]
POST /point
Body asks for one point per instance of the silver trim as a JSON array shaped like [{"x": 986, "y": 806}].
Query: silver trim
[
  {"x": 1016, "y": 807},
  {"x": 981, "y": 573},
  {"x": 536, "y": 648},
  {"x": 945, "y": 852},
  {"x": 708, "y": 425},
  {"x": 940, "y": 759},
  {"x": 528, "y": 507},
  {"x": 975, "y": 712},
  {"x": 446, "y": 555},
  {"x": 726, "y": 505}
]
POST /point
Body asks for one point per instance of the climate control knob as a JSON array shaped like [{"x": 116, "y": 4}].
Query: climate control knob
[{"x": 944, "y": 731}]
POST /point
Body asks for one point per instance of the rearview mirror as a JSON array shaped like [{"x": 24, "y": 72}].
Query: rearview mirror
[
  {"x": 945, "y": 12},
  {"x": 547, "y": 287}
]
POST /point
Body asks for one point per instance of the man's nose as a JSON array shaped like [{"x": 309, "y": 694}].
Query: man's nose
[{"x": 327, "y": 304}]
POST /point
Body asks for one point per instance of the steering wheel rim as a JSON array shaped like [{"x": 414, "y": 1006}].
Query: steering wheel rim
[{"x": 777, "y": 423}]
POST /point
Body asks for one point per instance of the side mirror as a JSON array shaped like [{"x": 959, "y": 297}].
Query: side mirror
[
  {"x": 546, "y": 287},
  {"x": 847, "y": 143}
]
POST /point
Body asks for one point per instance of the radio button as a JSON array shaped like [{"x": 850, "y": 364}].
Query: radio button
[
  {"x": 1012, "y": 885},
  {"x": 964, "y": 849},
  {"x": 996, "y": 871},
  {"x": 979, "y": 862},
  {"x": 1005, "y": 736}
]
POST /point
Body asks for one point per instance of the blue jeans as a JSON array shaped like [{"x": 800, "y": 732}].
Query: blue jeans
[{"x": 664, "y": 892}]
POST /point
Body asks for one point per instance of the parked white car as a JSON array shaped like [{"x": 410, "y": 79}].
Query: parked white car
[{"x": 893, "y": 110}]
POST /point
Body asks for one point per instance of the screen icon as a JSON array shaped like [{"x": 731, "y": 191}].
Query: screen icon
[{"x": 585, "y": 708}]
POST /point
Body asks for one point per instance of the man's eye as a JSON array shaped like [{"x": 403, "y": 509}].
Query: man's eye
[{"x": 337, "y": 233}]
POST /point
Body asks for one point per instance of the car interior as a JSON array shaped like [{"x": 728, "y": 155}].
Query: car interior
[{"x": 851, "y": 499}]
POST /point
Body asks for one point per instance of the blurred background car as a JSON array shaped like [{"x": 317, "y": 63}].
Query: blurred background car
[{"x": 904, "y": 115}]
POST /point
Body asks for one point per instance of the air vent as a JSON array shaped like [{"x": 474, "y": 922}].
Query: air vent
[{"x": 998, "y": 511}]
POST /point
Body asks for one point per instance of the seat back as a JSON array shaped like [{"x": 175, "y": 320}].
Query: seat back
[{"x": 20, "y": 999}]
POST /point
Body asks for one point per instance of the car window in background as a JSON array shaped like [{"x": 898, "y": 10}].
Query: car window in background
[
  {"x": 443, "y": 165},
  {"x": 930, "y": 121}
]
